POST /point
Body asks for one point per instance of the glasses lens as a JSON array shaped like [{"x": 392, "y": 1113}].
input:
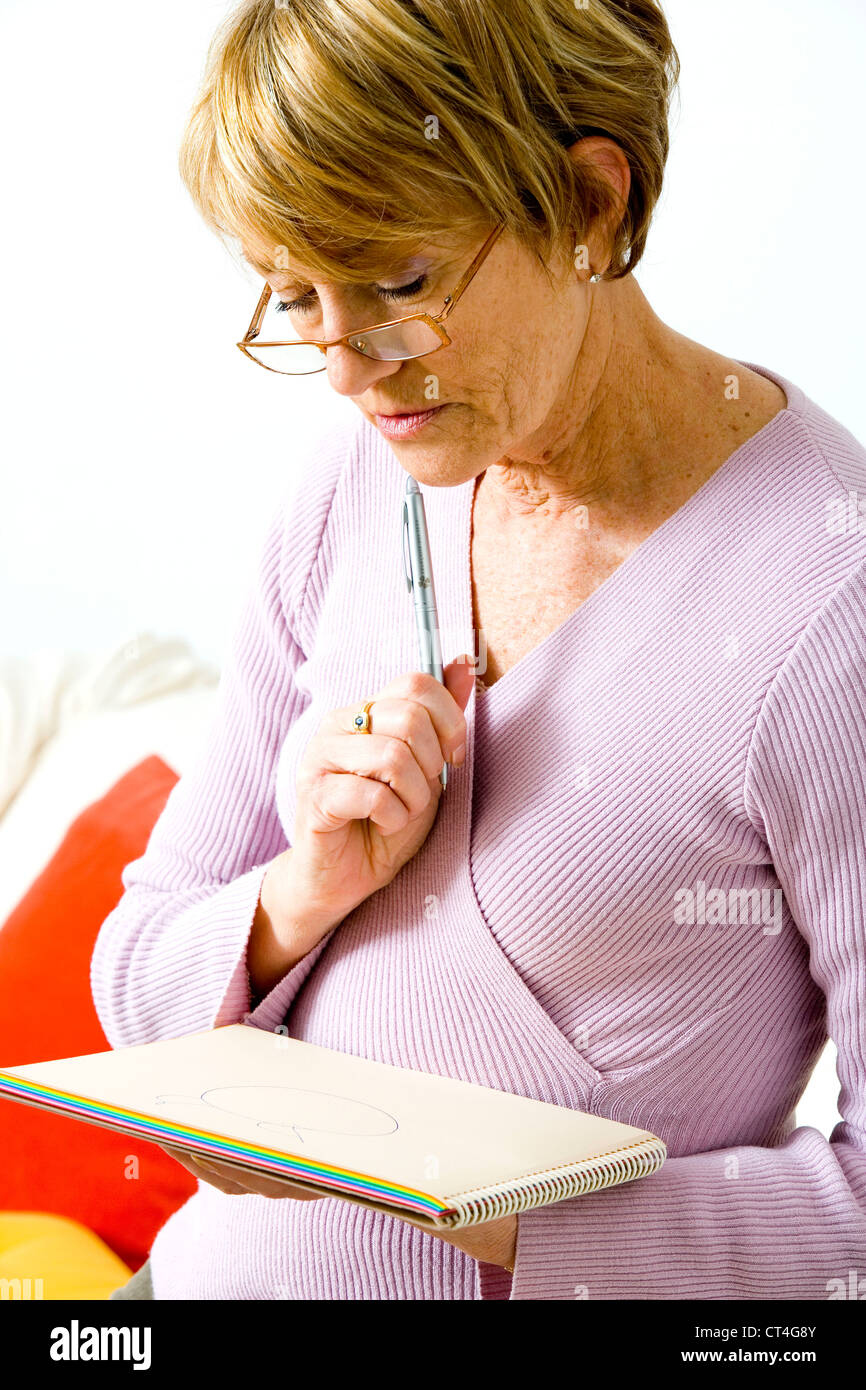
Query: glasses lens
[
  {"x": 277, "y": 328},
  {"x": 292, "y": 359},
  {"x": 397, "y": 342},
  {"x": 279, "y": 345}
]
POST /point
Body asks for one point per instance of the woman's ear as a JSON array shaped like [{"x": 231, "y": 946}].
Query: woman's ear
[{"x": 609, "y": 161}]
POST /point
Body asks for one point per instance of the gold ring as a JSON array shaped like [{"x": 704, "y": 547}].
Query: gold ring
[{"x": 361, "y": 721}]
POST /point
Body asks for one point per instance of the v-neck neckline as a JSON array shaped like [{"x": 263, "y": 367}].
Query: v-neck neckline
[
  {"x": 534, "y": 1043},
  {"x": 656, "y": 537}
]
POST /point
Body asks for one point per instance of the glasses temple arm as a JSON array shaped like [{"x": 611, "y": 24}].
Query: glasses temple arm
[
  {"x": 256, "y": 320},
  {"x": 452, "y": 298}
]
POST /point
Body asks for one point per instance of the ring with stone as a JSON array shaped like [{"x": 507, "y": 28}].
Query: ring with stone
[{"x": 361, "y": 721}]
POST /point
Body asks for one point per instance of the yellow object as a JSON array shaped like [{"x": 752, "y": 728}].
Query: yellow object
[{"x": 51, "y": 1257}]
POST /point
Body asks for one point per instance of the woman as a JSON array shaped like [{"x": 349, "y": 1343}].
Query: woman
[{"x": 642, "y": 892}]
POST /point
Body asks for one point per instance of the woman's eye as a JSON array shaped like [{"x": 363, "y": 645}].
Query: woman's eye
[
  {"x": 403, "y": 291},
  {"x": 305, "y": 302},
  {"x": 293, "y": 306}
]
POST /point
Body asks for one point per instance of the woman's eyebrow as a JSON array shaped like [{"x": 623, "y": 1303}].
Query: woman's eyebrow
[{"x": 280, "y": 280}]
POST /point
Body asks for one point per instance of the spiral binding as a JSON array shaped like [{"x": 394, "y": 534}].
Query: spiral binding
[{"x": 573, "y": 1180}]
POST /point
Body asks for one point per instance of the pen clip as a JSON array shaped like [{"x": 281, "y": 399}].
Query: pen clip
[{"x": 407, "y": 559}]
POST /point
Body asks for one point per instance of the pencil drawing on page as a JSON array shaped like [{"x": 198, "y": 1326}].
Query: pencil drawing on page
[{"x": 293, "y": 1110}]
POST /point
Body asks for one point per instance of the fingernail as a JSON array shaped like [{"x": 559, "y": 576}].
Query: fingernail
[{"x": 458, "y": 755}]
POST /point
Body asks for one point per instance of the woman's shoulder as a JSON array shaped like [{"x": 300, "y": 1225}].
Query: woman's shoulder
[
  {"x": 812, "y": 542},
  {"x": 340, "y": 479},
  {"x": 318, "y": 461},
  {"x": 836, "y": 450},
  {"x": 338, "y": 462}
]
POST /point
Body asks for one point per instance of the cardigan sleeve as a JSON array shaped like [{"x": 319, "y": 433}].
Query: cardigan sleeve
[
  {"x": 793, "y": 1225},
  {"x": 171, "y": 958}
]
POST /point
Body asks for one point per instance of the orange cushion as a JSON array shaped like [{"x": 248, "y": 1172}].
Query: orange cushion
[{"x": 51, "y": 1162}]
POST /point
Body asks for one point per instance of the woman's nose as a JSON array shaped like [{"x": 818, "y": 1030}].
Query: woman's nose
[{"x": 350, "y": 373}]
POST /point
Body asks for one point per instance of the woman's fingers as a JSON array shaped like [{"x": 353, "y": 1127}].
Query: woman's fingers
[
  {"x": 411, "y": 722},
  {"x": 415, "y": 709},
  {"x": 401, "y": 754},
  {"x": 340, "y": 797},
  {"x": 198, "y": 1170},
  {"x": 234, "y": 1181},
  {"x": 384, "y": 758},
  {"x": 416, "y": 688}
]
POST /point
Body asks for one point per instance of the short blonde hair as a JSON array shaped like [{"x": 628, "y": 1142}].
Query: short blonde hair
[{"x": 336, "y": 134}]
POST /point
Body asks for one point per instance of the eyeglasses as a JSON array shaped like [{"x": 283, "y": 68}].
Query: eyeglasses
[{"x": 400, "y": 340}]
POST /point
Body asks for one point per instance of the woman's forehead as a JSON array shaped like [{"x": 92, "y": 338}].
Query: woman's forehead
[{"x": 281, "y": 270}]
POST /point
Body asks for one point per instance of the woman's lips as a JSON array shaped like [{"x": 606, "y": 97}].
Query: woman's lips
[{"x": 402, "y": 426}]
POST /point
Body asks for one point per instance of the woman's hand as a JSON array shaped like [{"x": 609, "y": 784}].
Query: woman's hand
[
  {"x": 353, "y": 833},
  {"x": 237, "y": 1182},
  {"x": 495, "y": 1242},
  {"x": 365, "y": 805}
]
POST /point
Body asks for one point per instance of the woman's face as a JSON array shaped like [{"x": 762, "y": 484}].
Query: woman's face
[{"x": 505, "y": 382}]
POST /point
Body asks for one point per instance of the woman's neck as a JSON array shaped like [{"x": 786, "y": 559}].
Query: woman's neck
[{"x": 647, "y": 414}]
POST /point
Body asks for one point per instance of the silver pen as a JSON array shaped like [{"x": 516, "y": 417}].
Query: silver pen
[{"x": 419, "y": 581}]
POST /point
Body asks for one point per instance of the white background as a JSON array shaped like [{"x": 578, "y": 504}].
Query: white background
[
  {"x": 142, "y": 452},
  {"x": 142, "y": 455}
]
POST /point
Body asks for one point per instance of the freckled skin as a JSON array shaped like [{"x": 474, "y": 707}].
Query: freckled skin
[
  {"x": 585, "y": 421},
  {"x": 562, "y": 395}
]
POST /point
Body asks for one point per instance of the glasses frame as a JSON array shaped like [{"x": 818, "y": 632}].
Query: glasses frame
[{"x": 434, "y": 321}]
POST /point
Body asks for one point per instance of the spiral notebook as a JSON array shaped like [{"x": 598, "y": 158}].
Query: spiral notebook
[{"x": 447, "y": 1153}]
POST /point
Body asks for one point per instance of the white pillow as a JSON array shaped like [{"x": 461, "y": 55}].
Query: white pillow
[
  {"x": 42, "y": 694},
  {"x": 80, "y": 724}
]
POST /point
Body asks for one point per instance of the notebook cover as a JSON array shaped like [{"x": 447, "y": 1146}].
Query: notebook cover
[{"x": 447, "y": 1152}]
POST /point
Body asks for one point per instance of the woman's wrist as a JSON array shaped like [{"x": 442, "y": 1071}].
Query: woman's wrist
[{"x": 279, "y": 941}]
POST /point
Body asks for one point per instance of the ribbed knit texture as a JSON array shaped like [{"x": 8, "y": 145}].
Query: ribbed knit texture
[{"x": 698, "y": 723}]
